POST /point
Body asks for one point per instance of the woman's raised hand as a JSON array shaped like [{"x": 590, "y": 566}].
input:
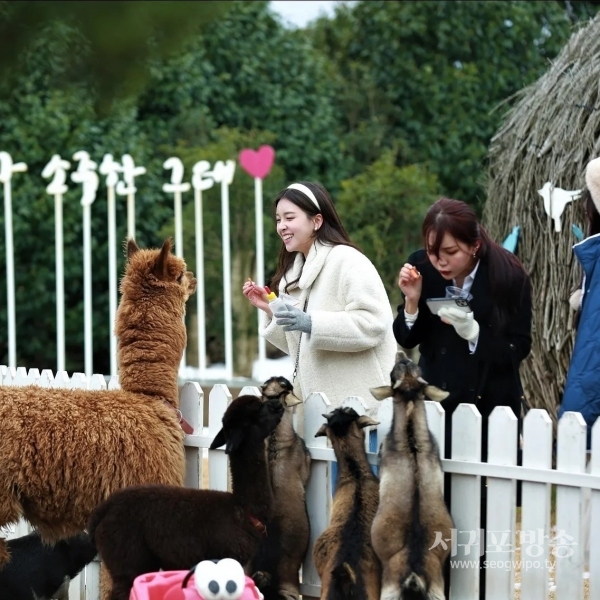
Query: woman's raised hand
[
  {"x": 257, "y": 295},
  {"x": 410, "y": 282}
]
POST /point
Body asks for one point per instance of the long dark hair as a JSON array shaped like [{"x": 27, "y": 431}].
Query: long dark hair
[
  {"x": 331, "y": 232},
  {"x": 505, "y": 270}
]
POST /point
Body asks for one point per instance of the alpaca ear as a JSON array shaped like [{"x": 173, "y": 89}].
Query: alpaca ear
[
  {"x": 322, "y": 431},
  {"x": 234, "y": 441},
  {"x": 132, "y": 248},
  {"x": 160, "y": 266},
  {"x": 218, "y": 441}
]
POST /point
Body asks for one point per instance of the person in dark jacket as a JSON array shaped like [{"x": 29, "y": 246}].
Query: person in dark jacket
[
  {"x": 582, "y": 386},
  {"x": 474, "y": 356}
]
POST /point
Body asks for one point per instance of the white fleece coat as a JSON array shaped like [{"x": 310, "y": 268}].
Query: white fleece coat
[{"x": 351, "y": 347}]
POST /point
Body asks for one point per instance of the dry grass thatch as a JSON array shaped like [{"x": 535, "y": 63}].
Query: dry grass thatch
[{"x": 549, "y": 134}]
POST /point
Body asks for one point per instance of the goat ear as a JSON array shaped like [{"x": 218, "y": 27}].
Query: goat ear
[
  {"x": 292, "y": 400},
  {"x": 382, "y": 392},
  {"x": 322, "y": 431},
  {"x": 435, "y": 393},
  {"x": 401, "y": 355},
  {"x": 365, "y": 421},
  {"x": 218, "y": 441},
  {"x": 421, "y": 380}
]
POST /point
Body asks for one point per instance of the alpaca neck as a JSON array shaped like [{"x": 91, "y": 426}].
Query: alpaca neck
[
  {"x": 251, "y": 484},
  {"x": 150, "y": 353}
]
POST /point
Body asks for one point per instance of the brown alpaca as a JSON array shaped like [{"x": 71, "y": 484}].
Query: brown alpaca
[
  {"x": 62, "y": 452},
  {"x": 145, "y": 528}
]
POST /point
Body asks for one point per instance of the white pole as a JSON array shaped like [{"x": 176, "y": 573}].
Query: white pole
[
  {"x": 226, "y": 279},
  {"x": 60, "y": 282},
  {"x": 260, "y": 261},
  {"x": 127, "y": 188},
  {"x": 223, "y": 172},
  {"x": 176, "y": 187},
  {"x": 112, "y": 276},
  {"x": 178, "y": 224},
  {"x": 131, "y": 215},
  {"x": 7, "y": 168},
  {"x": 87, "y": 176},
  {"x": 10, "y": 277},
  {"x": 87, "y": 290},
  {"x": 179, "y": 246},
  {"x": 111, "y": 168},
  {"x": 200, "y": 184},
  {"x": 200, "y": 301},
  {"x": 56, "y": 168}
]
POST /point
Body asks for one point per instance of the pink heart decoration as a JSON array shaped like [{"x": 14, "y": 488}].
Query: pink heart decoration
[{"x": 257, "y": 163}]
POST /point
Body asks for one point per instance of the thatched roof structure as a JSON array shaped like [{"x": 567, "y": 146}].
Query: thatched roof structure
[{"x": 549, "y": 134}]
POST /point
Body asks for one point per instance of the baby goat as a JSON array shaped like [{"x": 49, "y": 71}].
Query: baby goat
[
  {"x": 146, "y": 528},
  {"x": 343, "y": 555},
  {"x": 412, "y": 513},
  {"x": 43, "y": 571},
  {"x": 277, "y": 564}
]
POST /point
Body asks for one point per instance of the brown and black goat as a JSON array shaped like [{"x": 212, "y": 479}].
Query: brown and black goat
[
  {"x": 343, "y": 554},
  {"x": 276, "y": 567},
  {"x": 146, "y": 528},
  {"x": 412, "y": 514}
]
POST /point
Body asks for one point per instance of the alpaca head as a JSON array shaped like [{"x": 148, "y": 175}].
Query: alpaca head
[
  {"x": 279, "y": 389},
  {"x": 345, "y": 422},
  {"x": 156, "y": 272},
  {"x": 407, "y": 383},
  {"x": 246, "y": 422}
]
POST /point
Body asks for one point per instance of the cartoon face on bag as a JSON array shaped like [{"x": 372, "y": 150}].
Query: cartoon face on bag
[
  {"x": 455, "y": 260},
  {"x": 295, "y": 227}
]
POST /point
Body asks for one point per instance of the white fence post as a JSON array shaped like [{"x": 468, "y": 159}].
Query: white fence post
[
  {"x": 191, "y": 404},
  {"x": 218, "y": 473},
  {"x": 318, "y": 490},
  {"x": 501, "y": 506},
  {"x": 593, "y": 527},
  {"x": 570, "y": 457},
  {"x": 535, "y": 504},
  {"x": 465, "y": 502}
]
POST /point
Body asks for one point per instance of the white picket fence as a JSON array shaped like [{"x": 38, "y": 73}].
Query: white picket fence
[{"x": 538, "y": 542}]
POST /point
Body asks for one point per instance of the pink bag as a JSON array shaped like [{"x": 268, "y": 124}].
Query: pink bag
[{"x": 194, "y": 584}]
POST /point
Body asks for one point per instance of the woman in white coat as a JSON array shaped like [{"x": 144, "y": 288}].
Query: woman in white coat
[{"x": 339, "y": 334}]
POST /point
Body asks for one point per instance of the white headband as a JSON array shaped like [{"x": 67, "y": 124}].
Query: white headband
[{"x": 306, "y": 191}]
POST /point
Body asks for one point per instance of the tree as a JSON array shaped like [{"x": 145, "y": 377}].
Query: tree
[
  {"x": 119, "y": 37},
  {"x": 432, "y": 74},
  {"x": 383, "y": 208}
]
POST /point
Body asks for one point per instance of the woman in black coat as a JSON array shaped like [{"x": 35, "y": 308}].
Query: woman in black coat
[{"x": 474, "y": 357}]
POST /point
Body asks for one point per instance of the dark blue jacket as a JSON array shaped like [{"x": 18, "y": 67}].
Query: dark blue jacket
[{"x": 582, "y": 388}]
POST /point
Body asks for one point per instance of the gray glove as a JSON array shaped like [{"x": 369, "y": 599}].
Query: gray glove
[{"x": 293, "y": 319}]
